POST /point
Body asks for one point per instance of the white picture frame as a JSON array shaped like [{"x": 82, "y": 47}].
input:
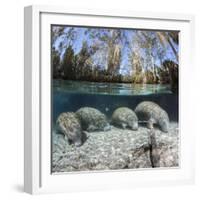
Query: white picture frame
[{"x": 37, "y": 173}]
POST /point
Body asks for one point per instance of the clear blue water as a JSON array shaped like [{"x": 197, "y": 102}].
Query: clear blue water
[
  {"x": 127, "y": 89},
  {"x": 71, "y": 95}
]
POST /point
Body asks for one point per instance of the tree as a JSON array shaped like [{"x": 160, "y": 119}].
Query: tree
[
  {"x": 114, "y": 59},
  {"x": 147, "y": 51},
  {"x": 149, "y": 43},
  {"x": 56, "y": 63},
  {"x": 84, "y": 59},
  {"x": 137, "y": 68},
  {"x": 56, "y": 32},
  {"x": 109, "y": 41},
  {"x": 112, "y": 39},
  {"x": 68, "y": 63},
  {"x": 167, "y": 38},
  {"x": 113, "y": 54},
  {"x": 84, "y": 54},
  {"x": 173, "y": 72}
]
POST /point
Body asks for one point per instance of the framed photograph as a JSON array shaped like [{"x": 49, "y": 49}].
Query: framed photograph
[{"x": 106, "y": 101}]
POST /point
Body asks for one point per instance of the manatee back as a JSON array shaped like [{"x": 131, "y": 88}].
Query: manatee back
[
  {"x": 149, "y": 110},
  {"x": 91, "y": 117},
  {"x": 70, "y": 126},
  {"x": 124, "y": 115},
  {"x": 146, "y": 110}
]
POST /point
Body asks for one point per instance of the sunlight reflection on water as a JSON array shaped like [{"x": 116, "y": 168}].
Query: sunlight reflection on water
[{"x": 110, "y": 88}]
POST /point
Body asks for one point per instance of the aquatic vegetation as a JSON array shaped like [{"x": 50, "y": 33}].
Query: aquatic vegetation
[
  {"x": 152, "y": 113},
  {"x": 126, "y": 118}
]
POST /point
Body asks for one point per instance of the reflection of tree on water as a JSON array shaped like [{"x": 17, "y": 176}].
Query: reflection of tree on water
[
  {"x": 115, "y": 55},
  {"x": 109, "y": 88}
]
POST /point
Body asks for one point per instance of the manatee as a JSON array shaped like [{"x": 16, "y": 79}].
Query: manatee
[
  {"x": 68, "y": 124},
  {"x": 125, "y": 117},
  {"x": 92, "y": 119},
  {"x": 152, "y": 113}
]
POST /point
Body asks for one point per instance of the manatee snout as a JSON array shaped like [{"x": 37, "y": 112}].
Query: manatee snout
[
  {"x": 134, "y": 126},
  {"x": 78, "y": 142},
  {"x": 165, "y": 126},
  {"x": 107, "y": 127}
]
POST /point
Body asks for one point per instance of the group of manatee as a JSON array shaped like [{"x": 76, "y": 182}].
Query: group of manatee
[{"x": 87, "y": 119}]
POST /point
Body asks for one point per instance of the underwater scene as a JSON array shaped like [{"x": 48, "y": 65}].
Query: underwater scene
[{"x": 115, "y": 101}]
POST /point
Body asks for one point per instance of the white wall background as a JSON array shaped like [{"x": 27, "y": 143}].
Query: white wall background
[{"x": 11, "y": 101}]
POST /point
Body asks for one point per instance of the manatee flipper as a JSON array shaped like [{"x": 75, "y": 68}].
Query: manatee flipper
[
  {"x": 59, "y": 129},
  {"x": 85, "y": 132},
  {"x": 150, "y": 123},
  {"x": 85, "y": 136},
  {"x": 66, "y": 138},
  {"x": 107, "y": 128},
  {"x": 124, "y": 125},
  {"x": 78, "y": 143},
  {"x": 91, "y": 128}
]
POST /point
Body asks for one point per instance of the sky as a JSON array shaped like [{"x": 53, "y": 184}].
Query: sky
[{"x": 81, "y": 35}]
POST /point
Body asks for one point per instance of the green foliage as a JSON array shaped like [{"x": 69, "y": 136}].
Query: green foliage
[
  {"x": 173, "y": 74},
  {"x": 83, "y": 54},
  {"x": 55, "y": 63},
  {"x": 68, "y": 63},
  {"x": 139, "y": 78},
  {"x": 107, "y": 45}
]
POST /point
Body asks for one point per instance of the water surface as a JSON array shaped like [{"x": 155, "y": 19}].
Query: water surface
[
  {"x": 69, "y": 96},
  {"x": 87, "y": 87}
]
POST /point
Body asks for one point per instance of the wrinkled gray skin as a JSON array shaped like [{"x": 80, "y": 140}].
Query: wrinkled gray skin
[
  {"x": 125, "y": 118},
  {"x": 153, "y": 114},
  {"x": 68, "y": 124},
  {"x": 92, "y": 119}
]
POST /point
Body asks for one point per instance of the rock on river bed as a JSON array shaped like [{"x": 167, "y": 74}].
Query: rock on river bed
[{"x": 117, "y": 149}]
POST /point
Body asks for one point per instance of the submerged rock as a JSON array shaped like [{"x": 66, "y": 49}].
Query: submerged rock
[
  {"x": 126, "y": 118},
  {"x": 167, "y": 147},
  {"x": 153, "y": 114},
  {"x": 92, "y": 119},
  {"x": 117, "y": 149}
]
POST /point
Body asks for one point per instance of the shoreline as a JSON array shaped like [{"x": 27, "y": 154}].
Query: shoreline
[{"x": 112, "y": 82}]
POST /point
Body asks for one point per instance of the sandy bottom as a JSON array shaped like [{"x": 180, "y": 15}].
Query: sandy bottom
[{"x": 117, "y": 149}]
